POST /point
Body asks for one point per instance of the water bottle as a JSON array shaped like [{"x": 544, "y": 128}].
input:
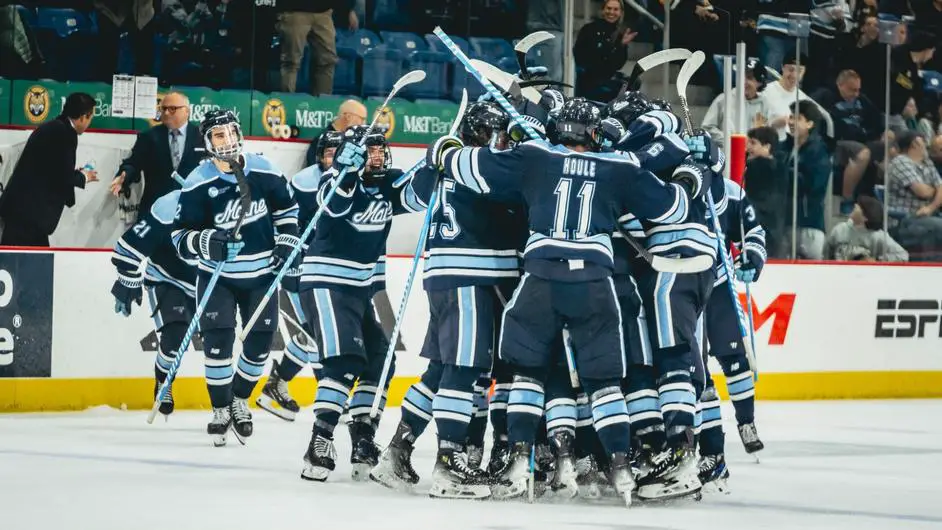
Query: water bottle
[{"x": 89, "y": 166}]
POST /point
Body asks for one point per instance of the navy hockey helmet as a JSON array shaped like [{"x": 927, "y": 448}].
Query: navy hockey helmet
[
  {"x": 627, "y": 107},
  {"x": 222, "y": 134},
  {"x": 482, "y": 121},
  {"x": 661, "y": 104},
  {"x": 577, "y": 123},
  {"x": 329, "y": 140}
]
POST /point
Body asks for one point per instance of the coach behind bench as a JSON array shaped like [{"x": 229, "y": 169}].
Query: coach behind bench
[{"x": 45, "y": 178}]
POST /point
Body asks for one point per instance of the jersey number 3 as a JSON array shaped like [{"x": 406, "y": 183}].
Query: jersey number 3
[{"x": 561, "y": 223}]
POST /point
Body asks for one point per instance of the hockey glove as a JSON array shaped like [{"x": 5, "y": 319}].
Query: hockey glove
[
  {"x": 704, "y": 150},
  {"x": 518, "y": 134},
  {"x": 612, "y": 132},
  {"x": 125, "y": 294},
  {"x": 534, "y": 71},
  {"x": 552, "y": 100},
  {"x": 218, "y": 245},
  {"x": 435, "y": 155},
  {"x": 690, "y": 177},
  {"x": 748, "y": 270},
  {"x": 351, "y": 156},
  {"x": 284, "y": 245}
]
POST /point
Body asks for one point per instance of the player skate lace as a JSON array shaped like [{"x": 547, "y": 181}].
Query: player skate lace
[
  {"x": 708, "y": 463},
  {"x": 324, "y": 448},
  {"x": 220, "y": 415},
  {"x": 168, "y": 397},
  {"x": 240, "y": 411},
  {"x": 749, "y": 434},
  {"x": 281, "y": 391}
]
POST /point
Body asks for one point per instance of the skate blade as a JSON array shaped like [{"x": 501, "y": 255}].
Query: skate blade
[
  {"x": 719, "y": 485},
  {"x": 590, "y": 492},
  {"x": 270, "y": 405},
  {"x": 566, "y": 490},
  {"x": 669, "y": 491},
  {"x": 507, "y": 490},
  {"x": 360, "y": 472},
  {"x": 238, "y": 437},
  {"x": 391, "y": 481},
  {"x": 442, "y": 490},
  {"x": 219, "y": 440},
  {"x": 314, "y": 474}
]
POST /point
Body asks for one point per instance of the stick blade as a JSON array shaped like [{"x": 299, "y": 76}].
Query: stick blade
[
  {"x": 462, "y": 107},
  {"x": 682, "y": 265},
  {"x": 415, "y": 76},
  {"x": 503, "y": 80},
  {"x": 664, "y": 56},
  {"x": 689, "y": 68},
  {"x": 531, "y": 40}
]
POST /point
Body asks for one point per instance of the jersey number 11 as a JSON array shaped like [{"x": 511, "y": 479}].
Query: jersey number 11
[{"x": 561, "y": 223}]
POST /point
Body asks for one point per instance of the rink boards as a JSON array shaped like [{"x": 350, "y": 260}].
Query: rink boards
[{"x": 823, "y": 331}]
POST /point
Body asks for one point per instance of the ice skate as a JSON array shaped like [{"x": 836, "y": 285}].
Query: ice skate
[
  {"x": 587, "y": 478},
  {"x": 394, "y": 469},
  {"x": 713, "y": 473},
  {"x": 241, "y": 419},
  {"x": 750, "y": 439},
  {"x": 319, "y": 459},
  {"x": 166, "y": 404},
  {"x": 364, "y": 454},
  {"x": 499, "y": 462},
  {"x": 475, "y": 455},
  {"x": 517, "y": 481},
  {"x": 564, "y": 483},
  {"x": 219, "y": 426},
  {"x": 621, "y": 477},
  {"x": 453, "y": 478},
  {"x": 276, "y": 399},
  {"x": 673, "y": 475}
]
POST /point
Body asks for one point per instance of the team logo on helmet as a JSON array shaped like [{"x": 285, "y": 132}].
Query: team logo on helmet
[
  {"x": 385, "y": 121},
  {"x": 274, "y": 115},
  {"x": 36, "y": 104}
]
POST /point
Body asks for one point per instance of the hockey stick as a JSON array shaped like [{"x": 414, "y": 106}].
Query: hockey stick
[
  {"x": 523, "y": 47},
  {"x": 416, "y": 256},
  {"x": 662, "y": 264},
  {"x": 245, "y": 202},
  {"x": 750, "y": 324},
  {"x": 654, "y": 60},
  {"x": 505, "y": 81},
  {"x": 683, "y": 79},
  {"x": 415, "y": 76},
  {"x": 462, "y": 108}
]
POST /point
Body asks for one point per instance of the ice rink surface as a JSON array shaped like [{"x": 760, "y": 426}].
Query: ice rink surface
[{"x": 829, "y": 465}]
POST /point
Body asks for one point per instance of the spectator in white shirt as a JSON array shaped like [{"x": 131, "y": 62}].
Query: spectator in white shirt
[
  {"x": 781, "y": 95},
  {"x": 759, "y": 112}
]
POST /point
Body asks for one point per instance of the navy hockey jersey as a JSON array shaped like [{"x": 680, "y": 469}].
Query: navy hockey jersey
[
  {"x": 740, "y": 225},
  {"x": 573, "y": 200},
  {"x": 210, "y": 199},
  {"x": 348, "y": 249},
  {"x": 149, "y": 241},
  {"x": 473, "y": 239}
]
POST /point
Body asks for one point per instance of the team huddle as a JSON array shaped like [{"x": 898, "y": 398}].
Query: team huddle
[{"x": 550, "y": 318}]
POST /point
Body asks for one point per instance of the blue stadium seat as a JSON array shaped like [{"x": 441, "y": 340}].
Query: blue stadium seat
[
  {"x": 404, "y": 42},
  {"x": 64, "y": 22},
  {"x": 382, "y": 66},
  {"x": 932, "y": 81},
  {"x": 436, "y": 45},
  {"x": 345, "y": 74},
  {"x": 28, "y": 14},
  {"x": 435, "y": 65},
  {"x": 361, "y": 40},
  {"x": 65, "y": 37},
  {"x": 491, "y": 49},
  {"x": 391, "y": 15},
  {"x": 508, "y": 64}
]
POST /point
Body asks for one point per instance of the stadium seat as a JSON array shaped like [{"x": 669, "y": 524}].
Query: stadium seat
[
  {"x": 931, "y": 81},
  {"x": 491, "y": 49},
  {"x": 508, "y": 64},
  {"x": 435, "y": 65},
  {"x": 404, "y": 42},
  {"x": 345, "y": 74},
  {"x": 391, "y": 15},
  {"x": 436, "y": 45},
  {"x": 361, "y": 40},
  {"x": 382, "y": 66},
  {"x": 64, "y": 37}
]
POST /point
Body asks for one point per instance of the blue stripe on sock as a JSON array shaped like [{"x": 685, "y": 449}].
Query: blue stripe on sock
[
  {"x": 740, "y": 387},
  {"x": 218, "y": 372},
  {"x": 520, "y": 396},
  {"x": 613, "y": 408},
  {"x": 678, "y": 396},
  {"x": 643, "y": 404}
]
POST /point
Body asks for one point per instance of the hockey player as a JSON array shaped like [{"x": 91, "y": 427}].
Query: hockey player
[
  {"x": 209, "y": 208},
  {"x": 470, "y": 259},
  {"x": 344, "y": 268},
  {"x": 724, "y": 340},
  {"x": 169, "y": 281},
  {"x": 572, "y": 194},
  {"x": 300, "y": 350}
]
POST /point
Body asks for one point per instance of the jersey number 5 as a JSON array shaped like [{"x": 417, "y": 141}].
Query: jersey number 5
[{"x": 561, "y": 223}]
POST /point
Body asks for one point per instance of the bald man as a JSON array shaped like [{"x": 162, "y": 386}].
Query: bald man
[
  {"x": 161, "y": 150},
  {"x": 350, "y": 113}
]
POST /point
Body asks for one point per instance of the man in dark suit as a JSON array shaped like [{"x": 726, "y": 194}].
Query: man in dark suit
[
  {"x": 161, "y": 150},
  {"x": 45, "y": 178}
]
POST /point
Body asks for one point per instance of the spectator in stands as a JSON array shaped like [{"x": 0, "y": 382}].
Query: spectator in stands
[
  {"x": 905, "y": 82},
  {"x": 601, "y": 50},
  {"x": 828, "y": 23},
  {"x": 134, "y": 18},
  {"x": 856, "y": 122},
  {"x": 862, "y": 238},
  {"x": 547, "y": 15},
  {"x": 916, "y": 194},
  {"x": 772, "y": 25},
  {"x": 311, "y": 21},
  {"x": 765, "y": 183},
  {"x": 203, "y": 41},
  {"x": 935, "y": 152},
  {"x": 814, "y": 170},
  {"x": 160, "y": 151},
  {"x": 781, "y": 96},
  {"x": 44, "y": 180},
  {"x": 867, "y": 57},
  {"x": 930, "y": 125},
  {"x": 263, "y": 18},
  {"x": 759, "y": 112},
  {"x": 350, "y": 114},
  {"x": 19, "y": 51},
  {"x": 865, "y": 8}
]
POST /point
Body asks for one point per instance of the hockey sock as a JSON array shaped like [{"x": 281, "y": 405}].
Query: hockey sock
[
  {"x": 560, "y": 403},
  {"x": 478, "y": 425},
  {"x": 417, "y": 404},
  {"x": 647, "y": 424},
  {"x": 298, "y": 354},
  {"x": 497, "y": 408},
  {"x": 741, "y": 387},
  {"x": 171, "y": 336},
  {"x": 251, "y": 364},
  {"x": 454, "y": 403},
  {"x": 676, "y": 394},
  {"x": 609, "y": 414},
  {"x": 333, "y": 389},
  {"x": 711, "y": 430},
  {"x": 586, "y": 437},
  {"x": 217, "y": 347},
  {"x": 524, "y": 409}
]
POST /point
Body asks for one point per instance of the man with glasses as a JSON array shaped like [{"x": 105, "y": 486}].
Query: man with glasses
[
  {"x": 350, "y": 114},
  {"x": 160, "y": 151}
]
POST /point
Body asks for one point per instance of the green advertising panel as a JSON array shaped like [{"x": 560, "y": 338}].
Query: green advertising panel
[
  {"x": 203, "y": 100},
  {"x": 308, "y": 113},
  {"x": 414, "y": 123},
  {"x": 34, "y": 102},
  {"x": 5, "y": 87}
]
